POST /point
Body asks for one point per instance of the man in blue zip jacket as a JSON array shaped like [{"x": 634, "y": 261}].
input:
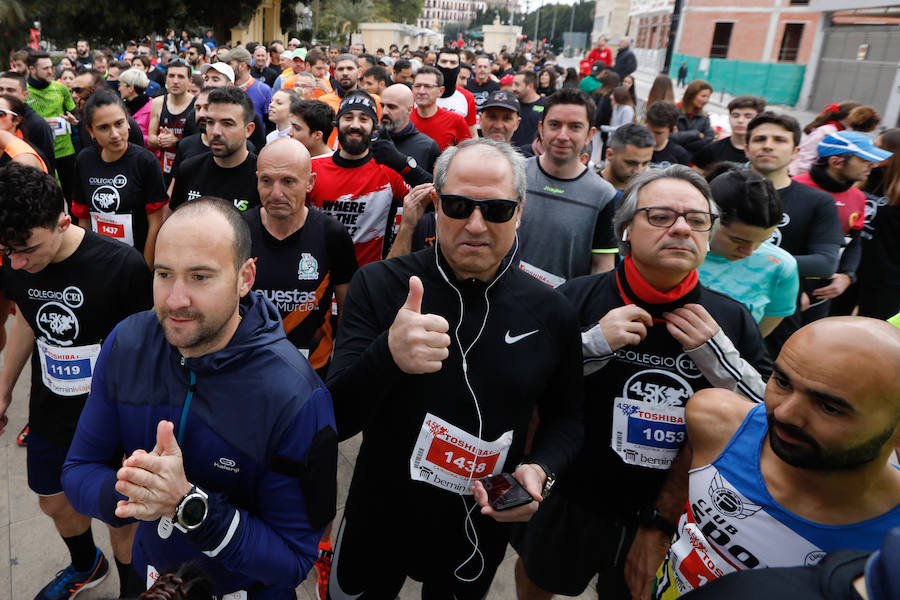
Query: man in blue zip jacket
[{"x": 229, "y": 433}]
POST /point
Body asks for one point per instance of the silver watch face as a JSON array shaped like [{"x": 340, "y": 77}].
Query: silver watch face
[{"x": 411, "y": 162}]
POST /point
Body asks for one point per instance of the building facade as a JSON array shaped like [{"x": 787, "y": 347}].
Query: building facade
[
  {"x": 756, "y": 47},
  {"x": 650, "y": 22},
  {"x": 610, "y": 19},
  {"x": 855, "y": 55},
  {"x": 437, "y": 13},
  {"x": 264, "y": 25},
  {"x": 749, "y": 30}
]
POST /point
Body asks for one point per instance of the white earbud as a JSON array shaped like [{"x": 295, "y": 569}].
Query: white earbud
[{"x": 625, "y": 235}]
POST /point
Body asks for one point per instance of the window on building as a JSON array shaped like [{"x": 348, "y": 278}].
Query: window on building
[
  {"x": 721, "y": 40},
  {"x": 799, "y": 2},
  {"x": 790, "y": 43}
]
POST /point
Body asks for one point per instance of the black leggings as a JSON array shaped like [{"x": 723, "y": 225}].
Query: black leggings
[{"x": 357, "y": 571}]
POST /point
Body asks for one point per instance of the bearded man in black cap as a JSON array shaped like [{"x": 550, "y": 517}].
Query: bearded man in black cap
[{"x": 351, "y": 187}]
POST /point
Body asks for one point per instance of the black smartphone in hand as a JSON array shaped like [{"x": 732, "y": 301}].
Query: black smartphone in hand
[{"x": 504, "y": 492}]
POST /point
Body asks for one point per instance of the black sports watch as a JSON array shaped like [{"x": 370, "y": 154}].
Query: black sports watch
[
  {"x": 649, "y": 516},
  {"x": 191, "y": 512}
]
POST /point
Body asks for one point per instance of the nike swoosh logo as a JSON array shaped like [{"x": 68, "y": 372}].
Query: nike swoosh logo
[{"x": 512, "y": 339}]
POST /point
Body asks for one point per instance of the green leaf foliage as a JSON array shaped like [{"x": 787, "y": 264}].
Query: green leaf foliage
[
  {"x": 584, "y": 21},
  {"x": 398, "y": 11},
  {"x": 111, "y": 22}
]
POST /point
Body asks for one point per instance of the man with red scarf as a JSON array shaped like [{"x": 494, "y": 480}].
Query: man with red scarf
[{"x": 652, "y": 336}]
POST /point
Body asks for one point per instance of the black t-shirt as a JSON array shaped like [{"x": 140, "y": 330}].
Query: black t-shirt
[
  {"x": 192, "y": 145},
  {"x": 482, "y": 92},
  {"x": 720, "y": 151},
  {"x": 298, "y": 275},
  {"x": 657, "y": 372},
  {"x": 810, "y": 218},
  {"x": 118, "y": 195},
  {"x": 672, "y": 154},
  {"x": 201, "y": 176},
  {"x": 267, "y": 75},
  {"x": 531, "y": 115},
  {"x": 811, "y": 231},
  {"x": 71, "y": 306}
]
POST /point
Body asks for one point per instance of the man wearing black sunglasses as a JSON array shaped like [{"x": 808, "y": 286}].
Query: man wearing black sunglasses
[
  {"x": 441, "y": 359},
  {"x": 652, "y": 336}
]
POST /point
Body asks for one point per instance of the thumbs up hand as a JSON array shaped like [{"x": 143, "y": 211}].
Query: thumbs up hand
[
  {"x": 418, "y": 342},
  {"x": 154, "y": 482}
]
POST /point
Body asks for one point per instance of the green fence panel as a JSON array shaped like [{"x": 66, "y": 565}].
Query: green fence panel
[
  {"x": 778, "y": 83},
  {"x": 784, "y": 83},
  {"x": 693, "y": 62}
]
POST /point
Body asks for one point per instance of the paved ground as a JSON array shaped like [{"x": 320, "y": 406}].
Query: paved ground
[{"x": 31, "y": 551}]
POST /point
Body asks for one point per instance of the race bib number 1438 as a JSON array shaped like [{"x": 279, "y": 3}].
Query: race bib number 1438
[{"x": 450, "y": 458}]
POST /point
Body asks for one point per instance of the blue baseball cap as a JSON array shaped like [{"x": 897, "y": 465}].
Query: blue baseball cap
[{"x": 851, "y": 142}]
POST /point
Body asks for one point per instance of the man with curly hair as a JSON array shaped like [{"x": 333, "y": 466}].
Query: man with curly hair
[{"x": 71, "y": 287}]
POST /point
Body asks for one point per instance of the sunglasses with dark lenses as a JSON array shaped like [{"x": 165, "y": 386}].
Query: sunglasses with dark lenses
[{"x": 494, "y": 210}]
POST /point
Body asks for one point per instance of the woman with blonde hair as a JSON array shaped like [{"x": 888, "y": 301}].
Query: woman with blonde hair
[{"x": 132, "y": 85}]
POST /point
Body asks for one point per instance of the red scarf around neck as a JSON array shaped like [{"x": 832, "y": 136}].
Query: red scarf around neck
[{"x": 647, "y": 293}]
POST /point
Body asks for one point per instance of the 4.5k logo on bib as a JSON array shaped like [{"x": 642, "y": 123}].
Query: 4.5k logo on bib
[{"x": 58, "y": 323}]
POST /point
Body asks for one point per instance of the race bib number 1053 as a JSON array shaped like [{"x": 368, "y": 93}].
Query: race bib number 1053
[{"x": 646, "y": 434}]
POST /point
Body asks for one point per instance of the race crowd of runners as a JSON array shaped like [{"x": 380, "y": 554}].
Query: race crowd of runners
[{"x": 643, "y": 352}]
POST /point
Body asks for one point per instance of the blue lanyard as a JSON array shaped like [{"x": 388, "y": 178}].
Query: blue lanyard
[{"x": 187, "y": 407}]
